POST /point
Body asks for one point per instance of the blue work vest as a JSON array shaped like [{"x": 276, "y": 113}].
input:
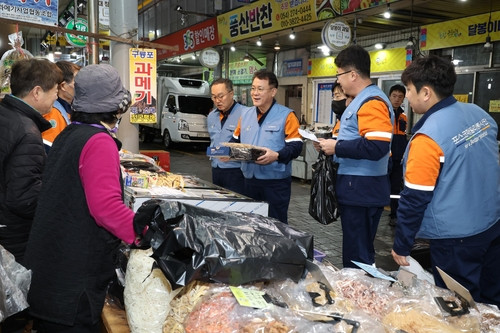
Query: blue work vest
[
  {"x": 62, "y": 110},
  {"x": 349, "y": 130},
  {"x": 220, "y": 134},
  {"x": 270, "y": 134},
  {"x": 466, "y": 198}
]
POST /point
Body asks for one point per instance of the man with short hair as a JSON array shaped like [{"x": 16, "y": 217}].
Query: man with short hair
[
  {"x": 33, "y": 84},
  {"x": 275, "y": 128},
  {"x": 398, "y": 146},
  {"x": 362, "y": 150},
  {"x": 451, "y": 189},
  {"x": 59, "y": 116},
  {"x": 222, "y": 122}
]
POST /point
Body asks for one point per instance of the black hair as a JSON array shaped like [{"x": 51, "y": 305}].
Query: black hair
[
  {"x": 436, "y": 72},
  {"x": 68, "y": 69},
  {"x": 354, "y": 58},
  {"x": 397, "y": 87},
  {"x": 266, "y": 75},
  {"x": 228, "y": 83},
  {"x": 94, "y": 118}
]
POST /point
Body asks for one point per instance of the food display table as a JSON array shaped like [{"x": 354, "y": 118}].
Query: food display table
[{"x": 197, "y": 192}]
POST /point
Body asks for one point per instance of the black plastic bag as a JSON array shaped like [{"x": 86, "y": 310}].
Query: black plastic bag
[
  {"x": 323, "y": 205},
  {"x": 193, "y": 243}
]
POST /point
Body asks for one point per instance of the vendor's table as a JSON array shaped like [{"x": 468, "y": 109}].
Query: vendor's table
[
  {"x": 114, "y": 319},
  {"x": 197, "y": 192}
]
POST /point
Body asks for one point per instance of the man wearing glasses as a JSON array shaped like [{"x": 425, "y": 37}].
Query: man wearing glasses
[
  {"x": 275, "y": 128},
  {"x": 362, "y": 150},
  {"x": 222, "y": 122}
]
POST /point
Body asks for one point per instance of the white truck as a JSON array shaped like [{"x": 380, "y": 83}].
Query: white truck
[{"x": 181, "y": 112}]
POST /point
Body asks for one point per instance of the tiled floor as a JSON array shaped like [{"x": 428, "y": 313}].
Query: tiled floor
[{"x": 327, "y": 239}]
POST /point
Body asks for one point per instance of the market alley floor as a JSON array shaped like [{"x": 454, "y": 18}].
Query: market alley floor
[{"x": 188, "y": 159}]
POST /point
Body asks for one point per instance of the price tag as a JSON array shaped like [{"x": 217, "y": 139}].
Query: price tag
[{"x": 250, "y": 298}]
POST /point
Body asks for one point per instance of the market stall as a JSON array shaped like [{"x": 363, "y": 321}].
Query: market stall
[
  {"x": 144, "y": 180},
  {"x": 236, "y": 272}
]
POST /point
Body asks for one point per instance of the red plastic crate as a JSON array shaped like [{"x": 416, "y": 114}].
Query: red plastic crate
[{"x": 161, "y": 157}]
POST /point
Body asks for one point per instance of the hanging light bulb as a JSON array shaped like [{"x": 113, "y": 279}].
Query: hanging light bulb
[
  {"x": 233, "y": 48},
  {"x": 292, "y": 34},
  {"x": 387, "y": 13},
  {"x": 259, "y": 41},
  {"x": 193, "y": 56},
  {"x": 277, "y": 46}
]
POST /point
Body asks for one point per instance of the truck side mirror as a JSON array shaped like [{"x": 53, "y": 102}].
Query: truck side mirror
[{"x": 172, "y": 109}]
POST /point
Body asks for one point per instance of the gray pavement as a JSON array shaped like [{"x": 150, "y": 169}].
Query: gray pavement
[{"x": 187, "y": 159}]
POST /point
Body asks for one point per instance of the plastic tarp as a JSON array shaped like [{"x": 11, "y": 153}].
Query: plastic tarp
[
  {"x": 193, "y": 243},
  {"x": 15, "y": 281}
]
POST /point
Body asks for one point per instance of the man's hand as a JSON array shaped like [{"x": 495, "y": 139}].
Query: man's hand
[
  {"x": 269, "y": 157},
  {"x": 400, "y": 260},
  {"x": 327, "y": 146},
  {"x": 224, "y": 159}
]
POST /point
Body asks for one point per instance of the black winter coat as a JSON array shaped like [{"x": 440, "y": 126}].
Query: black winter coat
[{"x": 22, "y": 159}]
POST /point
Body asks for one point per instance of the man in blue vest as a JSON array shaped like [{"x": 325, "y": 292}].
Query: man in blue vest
[
  {"x": 362, "y": 150},
  {"x": 451, "y": 189},
  {"x": 275, "y": 128},
  {"x": 222, "y": 122}
]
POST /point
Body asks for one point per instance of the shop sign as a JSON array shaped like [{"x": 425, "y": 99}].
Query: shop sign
[
  {"x": 41, "y": 12},
  {"x": 194, "y": 38},
  {"x": 264, "y": 16},
  {"x": 464, "y": 31},
  {"x": 336, "y": 34},
  {"x": 292, "y": 67},
  {"x": 241, "y": 72},
  {"x": 209, "y": 58},
  {"x": 494, "y": 106},
  {"x": 352, "y": 6},
  {"x": 382, "y": 61},
  {"x": 142, "y": 73},
  {"x": 80, "y": 25}
]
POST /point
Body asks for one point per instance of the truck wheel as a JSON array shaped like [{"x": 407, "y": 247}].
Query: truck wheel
[{"x": 167, "y": 140}]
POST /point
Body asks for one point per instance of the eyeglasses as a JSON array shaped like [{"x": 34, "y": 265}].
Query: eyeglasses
[
  {"x": 340, "y": 74},
  {"x": 259, "y": 89},
  {"x": 220, "y": 96}
]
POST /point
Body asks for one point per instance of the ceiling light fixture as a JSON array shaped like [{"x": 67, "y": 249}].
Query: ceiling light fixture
[
  {"x": 292, "y": 35},
  {"x": 232, "y": 48},
  {"x": 380, "y": 46},
  {"x": 387, "y": 13},
  {"x": 246, "y": 57},
  {"x": 193, "y": 56},
  {"x": 259, "y": 41},
  {"x": 277, "y": 46},
  {"x": 179, "y": 59}
]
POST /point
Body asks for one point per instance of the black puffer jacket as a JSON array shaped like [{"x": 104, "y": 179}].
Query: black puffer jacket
[{"x": 22, "y": 158}]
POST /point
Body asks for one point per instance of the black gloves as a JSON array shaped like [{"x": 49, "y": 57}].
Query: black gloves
[{"x": 145, "y": 215}]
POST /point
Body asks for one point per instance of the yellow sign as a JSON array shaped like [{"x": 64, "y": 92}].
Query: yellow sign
[
  {"x": 465, "y": 31},
  {"x": 264, "y": 16},
  {"x": 494, "y": 106},
  {"x": 464, "y": 98},
  {"x": 143, "y": 86},
  {"x": 381, "y": 62}
]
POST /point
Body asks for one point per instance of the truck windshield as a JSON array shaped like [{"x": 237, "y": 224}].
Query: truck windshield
[{"x": 195, "y": 105}]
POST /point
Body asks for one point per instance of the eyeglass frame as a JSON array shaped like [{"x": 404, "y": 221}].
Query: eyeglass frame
[
  {"x": 346, "y": 72},
  {"x": 220, "y": 97},
  {"x": 260, "y": 89}
]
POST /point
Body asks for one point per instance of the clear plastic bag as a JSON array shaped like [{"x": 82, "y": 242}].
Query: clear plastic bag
[
  {"x": 15, "y": 281},
  {"x": 11, "y": 56},
  {"x": 323, "y": 205}
]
